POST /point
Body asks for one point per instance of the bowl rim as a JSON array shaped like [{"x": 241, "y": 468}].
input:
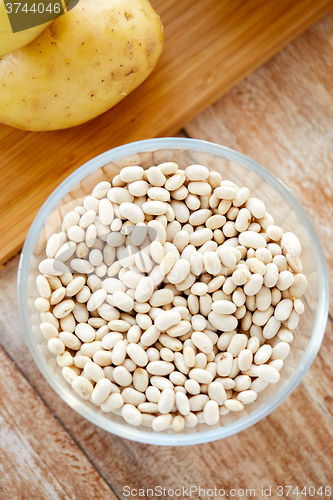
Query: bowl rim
[{"x": 122, "y": 429}]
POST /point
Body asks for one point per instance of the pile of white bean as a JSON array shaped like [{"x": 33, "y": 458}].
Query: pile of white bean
[{"x": 170, "y": 296}]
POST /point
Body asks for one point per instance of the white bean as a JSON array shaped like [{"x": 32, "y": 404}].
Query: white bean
[
  {"x": 196, "y": 173},
  {"x": 48, "y": 330},
  {"x": 161, "y": 297},
  {"x": 137, "y": 354},
  {"x": 83, "y": 387},
  {"x": 225, "y": 192},
  {"x": 122, "y": 376},
  {"x": 56, "y": 346},
  {"x": 130, "y": 174},
  {"x": 263, "y": 354},
  {"x": 69, "y": 374},
  {"x": 253, "y": 286},
  {"x": 223, "y": 307},
  {"x": 93, "y": 371},
  {"x": 247, "y": 397},
  {"x": 200, "y": 375},
  {"x": 70, "y": 340},
  {"x": 150, "y": 336},
  {"x": 52, "y": 267},
  {"x": 198, "y": 402},
  {"x": 237, "y": 344},
  {"x": 179, "y": 271},
  {"x": 299, "y": 286},
  {"x": 217, "y": 392},
  {"x": 251, "y": 239},
  {"x": 178, "y": 423},
  {"x": 101, "y": 189},
  {"x": 202, "y": 342},
  {"x": 243, "y": 220},
  {"x": 201, "y": 236},
  {"x": 223, "y": 322},
  {"x": 82, "y": 266},
  {"x": 245, "y": 359},
  {"x": 211, "y": 413},
  {"x": 148, "y": 408},
  {"x": 131, "y": 212},
  {"x": 280, "y": 351},
  {"x": 191, "y": 420},
  {"x": 113, "y": 402},
  {"x": 122, "y": 301},
  {"x": 96, "y": 299},
  {"x": 162, "y": 422},
  {"x": 166, "y": 401},
  {"x": 160, "y": 368},
  {"x": 268, "y": 373},
  {"x": 90, "y": 348},
  {"x": 283, "y": 310},
  {"x": 199, "y": 187},
  {"x": 119, "y": 352},
  {"x": 291, "y": 244},
  {"x": 199, "y": 289},
  {"x": 167, "y": 319},
  {"x": 131, "y": 415},
  {"x": 101, "y": 391},
  {"x": 140, "y": 379},
  {"x": 234, "y": 405}
]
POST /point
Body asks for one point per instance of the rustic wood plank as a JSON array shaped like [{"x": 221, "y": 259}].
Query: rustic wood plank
[
  {"x": 318, "y": 381},
  {"x": 282, "y": 116},
  {"x": 274, "y": 452},
  {"x": 37, "y": 457},
  {"x": 210, "y": 45}
]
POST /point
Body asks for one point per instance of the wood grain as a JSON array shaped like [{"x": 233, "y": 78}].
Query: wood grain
[
  {"x": 210, "y": 45},
  {"x": 293, "y": 446},
  {"x": 318, "y": 381},
  {"x": 282, "y": 116},
  {"x": 37, "y": 457}
]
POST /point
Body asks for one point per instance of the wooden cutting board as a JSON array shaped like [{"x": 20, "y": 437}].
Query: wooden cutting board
[{"x": 210, "y": 45}]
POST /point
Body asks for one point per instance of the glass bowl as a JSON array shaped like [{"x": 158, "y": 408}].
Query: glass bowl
[{"x": 280, "y": 202}]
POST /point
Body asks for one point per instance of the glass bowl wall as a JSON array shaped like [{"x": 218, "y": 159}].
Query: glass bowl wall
[{"x": 280, "y": 203}]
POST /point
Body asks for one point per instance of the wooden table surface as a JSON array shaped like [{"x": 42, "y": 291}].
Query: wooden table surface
[{"x": 282, "y": 116}]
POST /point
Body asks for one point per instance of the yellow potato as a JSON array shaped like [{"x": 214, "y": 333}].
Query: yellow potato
[
  {"x": 84, "y": 63},
  {"x": 10, "y": 41}
]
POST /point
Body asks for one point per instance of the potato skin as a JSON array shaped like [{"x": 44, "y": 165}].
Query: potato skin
[{"x": 84, "y": 63}]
